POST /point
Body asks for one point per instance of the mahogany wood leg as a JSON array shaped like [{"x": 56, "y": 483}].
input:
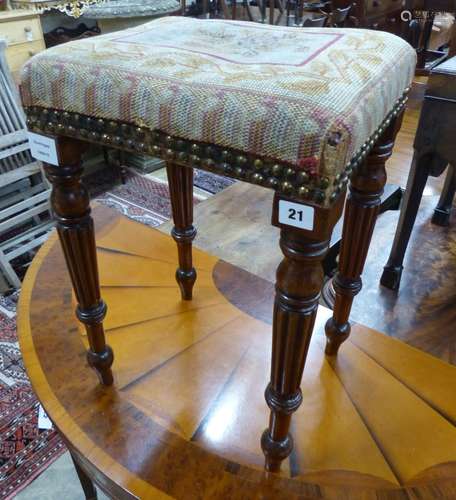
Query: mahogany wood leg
[
  {"x": 419, "y": 173},
  {"x": 361, "y": 212},
  {"x": 180, "y": 180},
  {"x": 442, "y": 211},
  {"x": 71, "y": 210},
  {"x": 123, "y": 173},
  {"x": 87, "y": 485},
  {"x": 298, "y": 285}
]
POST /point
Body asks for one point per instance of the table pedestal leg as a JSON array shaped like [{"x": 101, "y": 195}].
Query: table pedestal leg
[{"x": 87, "y": 485}]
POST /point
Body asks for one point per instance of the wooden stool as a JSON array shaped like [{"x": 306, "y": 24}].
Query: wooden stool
[
  {"x": 435, "y": 149},
  {"x": 298, "y": 117}
]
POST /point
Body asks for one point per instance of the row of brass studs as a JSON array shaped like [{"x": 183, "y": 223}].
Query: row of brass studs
[
  {"x": 341, "y": 179},
  {"x": 278, "y": 176}
]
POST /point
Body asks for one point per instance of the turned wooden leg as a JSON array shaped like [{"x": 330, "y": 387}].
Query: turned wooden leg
[
  {"x": 123, "y": 173},
  {"x": 442, "y": 211},
  {"x": 180, "y": 180},
  {"x": 87, "y": 485},
  {"x": 359, "y": 220},
  {"x": 419, "y": 172},
  {"x": 71, "y": 210},
  {"x": 298, "y": 285}
]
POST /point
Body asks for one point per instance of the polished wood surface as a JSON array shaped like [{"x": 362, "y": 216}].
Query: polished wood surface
[
  {"x": 422, "y": 311},
  {"x": 185, "y": 414}
]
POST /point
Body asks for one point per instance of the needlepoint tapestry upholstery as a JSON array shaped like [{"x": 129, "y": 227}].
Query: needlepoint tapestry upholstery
[{"x": 274, "y": 91}]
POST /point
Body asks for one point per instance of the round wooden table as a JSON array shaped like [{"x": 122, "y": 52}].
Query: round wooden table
[{"x": 186, "y": 411}]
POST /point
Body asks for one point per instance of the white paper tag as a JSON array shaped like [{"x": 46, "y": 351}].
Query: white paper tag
[
  {"x": 43, "y": 420},
  {"x": 296, "y": 215},
  {"x": 43, "y": 148}
]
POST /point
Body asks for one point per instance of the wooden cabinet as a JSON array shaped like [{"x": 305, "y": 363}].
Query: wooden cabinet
[
  {"x": 375, "y": 9},
  {"x": 24, "y": 37},
  {"x": 376, "y": 14}
]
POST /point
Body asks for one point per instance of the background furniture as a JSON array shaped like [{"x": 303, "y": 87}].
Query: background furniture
[
  {"x": 375, "y": 14},
  {"x": 115, "y": 15},
  {"x": 435, "y": 148},
  {"x": 24, "y": 192},
  {"x": 23, "y": 35},
  {"x": 73, "y": 8},
  {"x": 427, "y": 59}
]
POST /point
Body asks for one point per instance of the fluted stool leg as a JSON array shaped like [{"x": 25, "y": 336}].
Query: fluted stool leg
[
  {"x": 71, "y": 210},
  {"x": 361, "y": 212},
  {"x": 299, "y": 281},
  {"x": 298, "y": 285},
  {"x": 180, "y": 180}
]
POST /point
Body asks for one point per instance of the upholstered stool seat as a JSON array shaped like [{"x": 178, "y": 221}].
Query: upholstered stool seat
[
  {"x": 307, "y": 97},
  {"x": 298, "y": 110}
]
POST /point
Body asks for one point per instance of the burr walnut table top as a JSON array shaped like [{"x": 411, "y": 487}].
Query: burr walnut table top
[{"x": 186, "y": 411}]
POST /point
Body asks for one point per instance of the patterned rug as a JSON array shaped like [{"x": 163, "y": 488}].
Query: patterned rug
[
  {"x": 139, "y": 198},
  {"x": 25, "y": 449},
  {"x": 142, "y": 198},
  {"x": 211, "y": 183}
]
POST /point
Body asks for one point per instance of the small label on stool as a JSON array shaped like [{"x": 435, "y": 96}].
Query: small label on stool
[
  {"x": 297, "y": 215},
  {"x": 43, "y": 148}
]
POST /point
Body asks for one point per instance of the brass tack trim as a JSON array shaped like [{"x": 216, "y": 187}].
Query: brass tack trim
[{"x": 279, "y": 176}]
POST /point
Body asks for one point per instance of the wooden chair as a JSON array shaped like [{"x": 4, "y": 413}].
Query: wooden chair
[
  {"x": 435, "y": 149},
  {"x": 301, "y": 134},
  {"x": 339, "y": 16},
  {"x": 315, "y": 22}
]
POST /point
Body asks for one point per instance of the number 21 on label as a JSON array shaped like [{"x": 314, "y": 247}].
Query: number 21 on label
[{"x": 296, "y": 215}]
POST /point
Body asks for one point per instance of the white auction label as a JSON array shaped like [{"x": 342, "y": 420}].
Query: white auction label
[
  {"x": 43, "y": 148},
  {"x": 44, "y": 422},
  {"x": 297, "y": 215}
]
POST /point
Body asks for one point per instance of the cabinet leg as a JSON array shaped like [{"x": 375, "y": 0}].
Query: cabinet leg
[
  {"x": 361, "y": 212},
  {"x": 71, "y": 210},
  {"x": 419, "y": 172},
  {"x": 180, "y": 181},
  {"x": 442, "y": 212}
]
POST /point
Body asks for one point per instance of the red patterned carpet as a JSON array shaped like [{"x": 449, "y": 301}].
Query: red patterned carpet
[{"x": 25, "y": 450}]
